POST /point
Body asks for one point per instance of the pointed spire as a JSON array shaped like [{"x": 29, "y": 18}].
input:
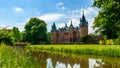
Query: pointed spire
[
  {"x": 71, "y": 25},
  {"x": 83, "y": 14},
  {"x": 54, "y": 27},
  {"x": 83, "y": 20},
  {"x": 66, "y": 25}
]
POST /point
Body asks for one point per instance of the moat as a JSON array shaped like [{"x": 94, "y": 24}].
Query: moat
[{"x": 65, "y": 60}]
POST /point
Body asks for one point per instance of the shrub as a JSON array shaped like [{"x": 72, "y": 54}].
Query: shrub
[
  {"x": 117, "y": 41},
  {"x": 101, "y": 42},
  {"x": 6, "y": 37},
  {"x": 13, "y": 58},
  {"x": 110, "y": 42}
]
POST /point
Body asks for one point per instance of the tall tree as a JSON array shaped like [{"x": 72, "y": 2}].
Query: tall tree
[
  {"x": 17, "y": 34},
  {"x": 108, "y": 19},
  {"x": 35, "y": 31}
]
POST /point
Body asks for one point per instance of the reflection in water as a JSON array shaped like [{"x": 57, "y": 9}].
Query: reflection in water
[
  {"x": 60, "y": 65},
  {"x": 49, "y": 60},
  {"x": 95, "y": 63},
  {"x": 49, "y": 63},
  {"x": 76, "y": 66}
]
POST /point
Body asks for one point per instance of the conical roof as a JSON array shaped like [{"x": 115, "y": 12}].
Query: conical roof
[
  {"x": 71, "y": 25},
  {"x": 54, "y": 27},
  {"x": 83, "y": 20}
]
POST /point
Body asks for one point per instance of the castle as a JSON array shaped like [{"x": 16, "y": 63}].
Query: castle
[{"x": 69, "y": 34}]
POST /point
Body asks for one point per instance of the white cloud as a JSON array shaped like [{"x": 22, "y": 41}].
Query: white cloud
[
  {"x": 89, "y": 13},
  {"x": 59, "y": 4},
  {"x": 75, "y": 23},
  {"x": 76, "y": 14},
  {"x": 20, "y": 26},
  {"x": 63, "y": 8},
  {"x": 2, "y": 25},
  {"x": 51, "y": 17},
  {"x": 18, "y": 9}
]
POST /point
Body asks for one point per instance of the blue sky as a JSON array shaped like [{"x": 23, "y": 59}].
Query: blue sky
[{"x": 18, "y": 12}]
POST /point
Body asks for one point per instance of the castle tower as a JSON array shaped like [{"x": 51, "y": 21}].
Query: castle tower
[
  {"x": 71, "y": 32},
  {"x": 83, "y": 26},
  {"x": 54, "y": 33}
]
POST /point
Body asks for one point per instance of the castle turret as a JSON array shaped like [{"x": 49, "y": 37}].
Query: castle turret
[
  {"x": 54, "y": 33},
  {"x": 71, "y": 32},
  {"x": 83, "y": 25},
  {"x": 54, "y": 27},
  {"x": 71, "y": 25}
]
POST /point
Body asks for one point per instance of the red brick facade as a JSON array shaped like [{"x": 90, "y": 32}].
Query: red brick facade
[{"x": 69, "y": 34}]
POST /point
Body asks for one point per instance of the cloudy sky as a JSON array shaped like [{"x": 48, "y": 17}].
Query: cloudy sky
[{"x": 18, "y": 12}]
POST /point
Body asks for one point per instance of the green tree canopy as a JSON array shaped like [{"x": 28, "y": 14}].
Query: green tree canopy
[
  {"x": 35, "y": 31},
  {"x": 108, "y": 19},
  {"x": 6, "y": 37},
  {"x": 89, "y": 39},
  {"x": 16, "y": 34}
]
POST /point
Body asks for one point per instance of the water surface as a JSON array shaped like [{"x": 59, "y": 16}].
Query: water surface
[{"x": 65, "y": 60}]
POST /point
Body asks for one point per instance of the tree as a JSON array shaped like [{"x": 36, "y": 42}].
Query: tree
[
  {"x": 17, "y": 34},
  {"x": 89, "y": 39},
  {"x": 35, "y": 31},
  {"x": 6, "y": 37},
  {"x": 108, "y": 19},
  {"x": 49, "y": 37}
]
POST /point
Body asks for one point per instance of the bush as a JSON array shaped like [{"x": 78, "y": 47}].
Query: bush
[
  {"x": 13, "y": 58},
  {"x": 117, "y": 41},
  {"x": 88, "y": 39},
  {"x": 110, "y": 42},
  {"x": 101, "y": 42},
  {"x": 6, "y": 37}
]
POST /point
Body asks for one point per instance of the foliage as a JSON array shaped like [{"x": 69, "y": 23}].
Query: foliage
[
  {"x": 101, "y": 42},
  {"x": 117, "y": 41},
  {"x": 49, "y": 37},
  {"x": 107, "y": 21},
  {"x": 6, "y": 37},
  {"x": 17, "y": 34},
  {"x": 13, "y": 58},
  {"x": 110, "y": 42},
  {"x": 104, "y": 50},
  {"x": 88, "y": 39},
  {"x": 107, "y": 42},
  {"x": 35, "y": 31}
]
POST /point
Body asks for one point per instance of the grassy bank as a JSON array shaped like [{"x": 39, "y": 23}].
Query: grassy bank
[
  {"x": 103, "y": 50},
  {"x": 14, "y": 58}
]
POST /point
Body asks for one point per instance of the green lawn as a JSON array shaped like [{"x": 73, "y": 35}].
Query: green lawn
[{"x": 104, "y": 50}]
